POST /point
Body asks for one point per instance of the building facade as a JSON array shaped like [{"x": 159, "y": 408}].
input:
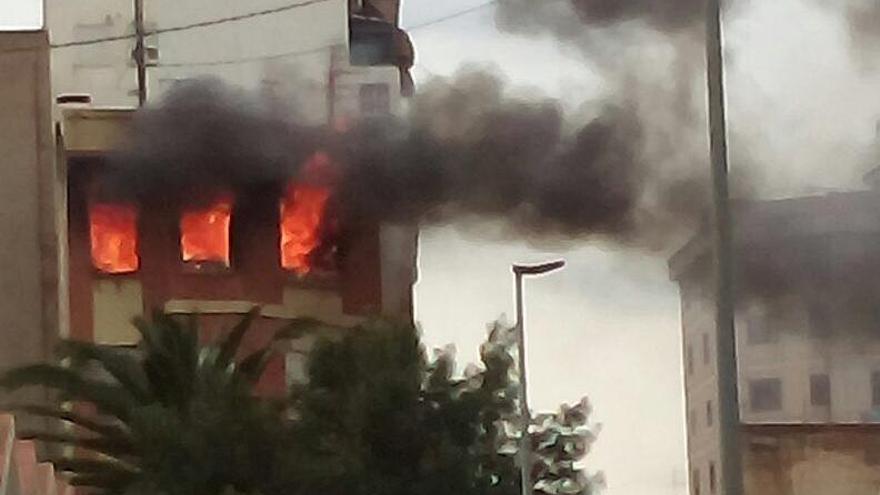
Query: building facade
[
  {"x": 808, "y": 344},
  {"x": 82, "y": 269}
]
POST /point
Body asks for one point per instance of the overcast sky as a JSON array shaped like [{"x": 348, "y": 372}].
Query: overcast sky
[{"x": 608, "y": 325}]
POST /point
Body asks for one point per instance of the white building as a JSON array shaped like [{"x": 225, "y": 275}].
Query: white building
[
  {"x": 808, "y": 343},
  {"x": 324, "y": 56}
]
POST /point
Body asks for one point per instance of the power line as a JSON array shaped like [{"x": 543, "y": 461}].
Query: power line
[
  {"x": 452, "y": 16},
  {"x": 241, "y": 60},
  {"x": 195, "y": 25},
  {"x": 295, "y": 53}
]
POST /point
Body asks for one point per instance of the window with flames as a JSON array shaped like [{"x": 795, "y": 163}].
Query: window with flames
[
  {"x": 114, "y": 238},
  {"x": 306, "y": 230}
]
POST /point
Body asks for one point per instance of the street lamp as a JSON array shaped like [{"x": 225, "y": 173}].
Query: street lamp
[{"x": 519, "y": 271}]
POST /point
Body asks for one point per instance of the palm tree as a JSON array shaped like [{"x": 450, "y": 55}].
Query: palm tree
[{"x": 173, "y": 417}]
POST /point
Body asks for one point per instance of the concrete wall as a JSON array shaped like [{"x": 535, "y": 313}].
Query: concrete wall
[
  {"x": 804, "y": 460},
  {"x": 30, "y": 187}
]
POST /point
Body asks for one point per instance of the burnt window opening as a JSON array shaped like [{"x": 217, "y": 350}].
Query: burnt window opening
[
  {"x": 765, "y": 394},
  {"x": 113, "y": 235},
  {"x": 308, "y": 240},
  {"x": 204, "y": 236}
]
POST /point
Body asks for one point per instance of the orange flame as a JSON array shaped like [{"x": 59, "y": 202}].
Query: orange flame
[
  {"x": 113, "y": 233},
  {"x": 302, "y": 212},
  {"x": 204, "y": 233}
]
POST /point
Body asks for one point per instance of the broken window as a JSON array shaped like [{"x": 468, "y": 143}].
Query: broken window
[
  {"x": 113, "y": 236},
  {"x": 204, "y": 234}
]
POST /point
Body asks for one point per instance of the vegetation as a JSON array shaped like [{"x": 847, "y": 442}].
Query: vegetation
[{"x": 375, "y": 417}]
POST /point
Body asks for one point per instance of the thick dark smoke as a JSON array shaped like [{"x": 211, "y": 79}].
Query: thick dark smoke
[
  {"x": 468, "y": 150},
  {"x": 203, "y": 139}
]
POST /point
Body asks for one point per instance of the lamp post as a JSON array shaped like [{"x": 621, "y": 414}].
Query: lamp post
[{"x": 519, "y": 271}]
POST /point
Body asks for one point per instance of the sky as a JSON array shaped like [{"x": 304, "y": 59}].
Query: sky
[{"x": 607, "y": 326}]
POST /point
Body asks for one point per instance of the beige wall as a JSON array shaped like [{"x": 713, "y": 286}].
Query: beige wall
[
  {"x": 29, "y": 186},
  {"x": 803, "y": 461}
]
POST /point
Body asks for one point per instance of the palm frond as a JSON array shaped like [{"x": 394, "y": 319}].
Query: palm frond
[
  {"x": 104, "y": 445},
  {"x": 125, "y": 369},
  {"x": 115, "y": 431},
  {"x": 300, "y": 327},
  {"x": 108, "y": 398},
  {"x": 229, "y": 347},
  {"x": 81, "y": 465}
]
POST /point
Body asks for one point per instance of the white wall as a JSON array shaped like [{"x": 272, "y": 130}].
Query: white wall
[{"x": 105, "y": 70}]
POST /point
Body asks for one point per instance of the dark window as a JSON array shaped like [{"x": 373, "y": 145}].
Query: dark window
[
  {"x": 709, "y": 417},
  {"x": 820, "y": 390},
  {"x": 875, "y": 388},
  {"x": 690, "y": 359},
  {"x": 765, "y": 394},
  {"x": 713, "y": 481},
  {"x": 375, "y": 99},
  {"x": 706, "y": 349},
  {"x": 758, "y": 332},
  {"x": 371, "y": 42},
  {"x": 695, "y": 483}
]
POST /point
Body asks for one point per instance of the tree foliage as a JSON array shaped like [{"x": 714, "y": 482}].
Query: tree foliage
[{"x": 374, "y": 417}]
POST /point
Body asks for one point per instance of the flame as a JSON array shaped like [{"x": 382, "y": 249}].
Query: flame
[
  {"x": 113, "y": 233},
  {"x": 302, "y": 212},
  {"x": 204, "y": 233}
]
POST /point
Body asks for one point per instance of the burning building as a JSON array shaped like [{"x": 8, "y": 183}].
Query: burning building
[
  {"x": 807, "y": 344},
  {"x": 217, "y": 252}
]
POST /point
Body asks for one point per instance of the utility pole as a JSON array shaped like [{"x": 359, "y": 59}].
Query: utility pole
[
  {"x": 525, "y": 446},
  {"x": 140, "y": 52},
  {"x": 727, "y": 376}
]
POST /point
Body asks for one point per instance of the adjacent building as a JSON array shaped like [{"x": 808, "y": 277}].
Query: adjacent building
[{"x": 808, "y": 343}]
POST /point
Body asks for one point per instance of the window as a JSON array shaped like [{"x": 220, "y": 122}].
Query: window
[
  {"x": 113, "y": 236},
  {"x": 757, "y": 331},
  {"x": 690, "y": 359},
  {"x": 713, "y": 478},
  {"x": 709, "y": 418},
  {"x": 375, "y": 99},
  {"x": 820, "y": 390},
  {"x": 706, "y": 349},
  {"x": 695, "y": 482},
  {"x": 204, "y": 234},
  {"x": 765, "y": 394},
  {"x": 875, "y": 389}
]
